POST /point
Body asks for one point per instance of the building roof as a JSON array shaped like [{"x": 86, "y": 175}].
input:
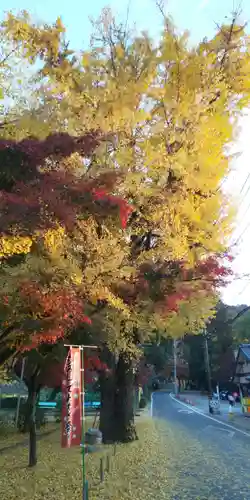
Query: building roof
[{"x": 245, "y": 349}]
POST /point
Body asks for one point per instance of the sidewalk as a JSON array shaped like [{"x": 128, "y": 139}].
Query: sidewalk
[{"x": 237, "y": 418}]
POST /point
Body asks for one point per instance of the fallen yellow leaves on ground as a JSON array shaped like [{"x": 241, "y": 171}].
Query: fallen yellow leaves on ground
[
  {"x": 10, "y": 436},
  {"x": 133, "y": 470},
  {"x": 166, "y": 463}
]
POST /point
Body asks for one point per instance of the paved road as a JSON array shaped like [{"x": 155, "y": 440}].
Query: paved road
[
  {"x": 201, "y": 402},
  {"x": 208, "y": 460}
]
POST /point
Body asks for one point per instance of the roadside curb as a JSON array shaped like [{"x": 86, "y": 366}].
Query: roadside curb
[{"x": 219, "y": 420}]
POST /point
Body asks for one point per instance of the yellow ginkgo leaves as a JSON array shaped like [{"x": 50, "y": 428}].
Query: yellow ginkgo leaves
[
  {"x": 54, "y": 238},
  {"x": 15, "y": 245}
]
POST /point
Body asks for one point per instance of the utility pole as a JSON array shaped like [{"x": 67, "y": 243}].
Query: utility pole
[
  {"x": 208, "y": 371},
  {"x": 175, "y": 365}
]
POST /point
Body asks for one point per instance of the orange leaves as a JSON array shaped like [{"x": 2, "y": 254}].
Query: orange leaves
[
  {"x": 59, "y": 311},
  {"x": 165, "y": 286},
  {"x": 173, "y": 300},
  {"x": 125, "y": 211}
]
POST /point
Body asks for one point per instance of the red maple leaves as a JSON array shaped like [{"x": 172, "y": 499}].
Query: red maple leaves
[
  {"x": 124, "y": 208},
  {"x": 58, "y": 311},
  {"x": 37, "y": 194},
  {"x": 93, "y": 367},
  {"x": 173, "y": 300},
  {"x": 94, "y": 363},
  {"x": 34, "y": 152},
  {"x": 213, "y": 271},
  {"x": 35, "y": 198},
  {"x": 167, "y": 285}
]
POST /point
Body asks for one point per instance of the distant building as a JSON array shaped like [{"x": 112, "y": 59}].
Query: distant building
[
  {"x": 242, "y": 376},
  {"x": 242, "y": 368}
]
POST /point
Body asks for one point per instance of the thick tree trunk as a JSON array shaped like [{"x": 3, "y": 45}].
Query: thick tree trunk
[
  {"x": 124, "y": 401},
  {"x": 117, "y": 403},
  {"x": 107, "y": 386}
]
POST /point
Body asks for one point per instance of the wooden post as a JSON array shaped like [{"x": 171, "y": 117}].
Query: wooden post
[
  {"x": 108, "y": 463},
  {"x": 101, "y": 470}
]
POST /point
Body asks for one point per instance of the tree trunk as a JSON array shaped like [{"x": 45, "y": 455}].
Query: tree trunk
[
  {"x": 31, "y": 413},
  {"x": 107, "y": 386},
  {"x": 124, "y": 425},
  {"x": 117, "y": 403}
]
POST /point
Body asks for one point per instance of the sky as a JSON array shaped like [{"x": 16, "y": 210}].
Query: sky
[{"x": 200, "y": 17}]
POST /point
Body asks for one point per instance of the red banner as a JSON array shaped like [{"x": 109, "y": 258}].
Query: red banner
[{"x": 71, "y": 399}]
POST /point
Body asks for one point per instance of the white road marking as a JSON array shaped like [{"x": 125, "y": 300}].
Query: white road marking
[
  {"x": 215, "y": 428},
  {"x": 211, "y": 418},
  {"x": 185, "y": 411}
]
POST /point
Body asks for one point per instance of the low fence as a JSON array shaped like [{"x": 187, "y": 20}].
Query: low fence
[
  {"x": 106, "y": 463},
  {"x": 47, "y": 412}
]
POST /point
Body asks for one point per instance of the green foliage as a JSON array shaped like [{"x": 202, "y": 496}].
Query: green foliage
[
  {"x": 157, "y": 354},
  {"x": 241, "y": 330},
  {"x": 220, "y": 334},
  {"x": 221, "y": 343}
]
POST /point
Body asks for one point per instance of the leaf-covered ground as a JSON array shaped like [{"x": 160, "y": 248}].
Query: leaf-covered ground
[
  {"x": 165, "y": 464},
  {"x": 9, "y": 437}
]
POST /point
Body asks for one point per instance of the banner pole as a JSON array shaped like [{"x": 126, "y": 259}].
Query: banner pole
[
  {"x": 83, "y": 426},
  {"x": 81, "y": 348}
]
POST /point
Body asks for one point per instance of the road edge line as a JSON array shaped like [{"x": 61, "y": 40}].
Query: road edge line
[{"x": 195, "y": 410}]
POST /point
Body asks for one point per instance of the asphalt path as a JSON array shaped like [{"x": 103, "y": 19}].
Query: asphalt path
[{"x": 209, "y": 459}]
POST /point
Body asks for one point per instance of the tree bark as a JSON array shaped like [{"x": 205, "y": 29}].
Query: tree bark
[
  {"x": 117, "y": 403},
  {"x": 124, "y": 425},
  {"x": 107, "y": 387}
]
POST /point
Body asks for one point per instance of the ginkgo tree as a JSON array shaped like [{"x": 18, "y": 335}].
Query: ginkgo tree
[{"x": 127, "y": 184}]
